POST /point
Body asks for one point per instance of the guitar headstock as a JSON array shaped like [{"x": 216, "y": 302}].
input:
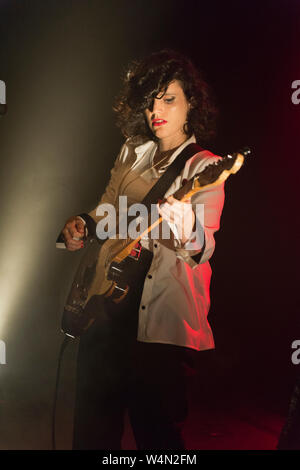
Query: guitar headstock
[{"x": 217, "y": 172}]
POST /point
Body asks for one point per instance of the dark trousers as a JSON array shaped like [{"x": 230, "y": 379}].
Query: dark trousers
[{"x": 115, "y": 372}]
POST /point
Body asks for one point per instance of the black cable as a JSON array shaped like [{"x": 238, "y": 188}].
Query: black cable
[{"x": 62, "y": 348}]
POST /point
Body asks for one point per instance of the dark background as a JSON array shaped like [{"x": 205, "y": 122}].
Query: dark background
[{"x": 62, "y": 61}]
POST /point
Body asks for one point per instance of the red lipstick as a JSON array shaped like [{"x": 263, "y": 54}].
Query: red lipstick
[{"x": 158, "y": 122}]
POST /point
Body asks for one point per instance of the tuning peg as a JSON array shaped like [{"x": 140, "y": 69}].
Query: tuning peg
[{"x": 245, "y": 151}]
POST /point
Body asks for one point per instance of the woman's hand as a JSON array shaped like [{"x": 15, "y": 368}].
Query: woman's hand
[
  {"x": 179, "y": 213},
  {"x": 73, "y": 233}
]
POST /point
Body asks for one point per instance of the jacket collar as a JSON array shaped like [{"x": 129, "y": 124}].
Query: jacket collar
[{"x": 150, "y": 145}]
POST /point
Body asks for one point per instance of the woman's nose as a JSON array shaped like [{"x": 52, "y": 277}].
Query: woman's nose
[{"x": 157, "y": 106}]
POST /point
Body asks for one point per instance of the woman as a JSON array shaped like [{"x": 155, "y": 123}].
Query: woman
[{"x": 134, "y": 354}]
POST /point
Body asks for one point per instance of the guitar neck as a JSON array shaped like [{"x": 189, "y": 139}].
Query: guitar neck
[
  {"x": 212, "y": 175},
  {"x": 182, "y": 194}
]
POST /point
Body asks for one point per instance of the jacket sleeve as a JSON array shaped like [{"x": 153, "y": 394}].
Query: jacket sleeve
[{"x": 200, "y": 247}]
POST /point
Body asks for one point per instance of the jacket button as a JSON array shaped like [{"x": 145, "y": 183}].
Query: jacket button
[
  {"x": 149, "y": 276},
  {"x": 143, "y": 307},
  {"x": 155, "y": 245}
]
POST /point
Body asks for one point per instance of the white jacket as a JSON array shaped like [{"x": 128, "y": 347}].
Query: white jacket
[{"x": 175, "y": 300}]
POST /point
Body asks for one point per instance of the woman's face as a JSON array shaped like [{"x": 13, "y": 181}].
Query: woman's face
[{"x": 168, "y": 115}]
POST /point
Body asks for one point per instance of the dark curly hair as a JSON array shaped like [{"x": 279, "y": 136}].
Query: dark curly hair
[{"x": 146, "y": 78}]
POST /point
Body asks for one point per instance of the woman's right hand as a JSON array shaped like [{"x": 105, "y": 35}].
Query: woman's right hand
[{"x": 73, "y": 233}]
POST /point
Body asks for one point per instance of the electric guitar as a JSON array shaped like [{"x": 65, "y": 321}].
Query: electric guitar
[{"x": 106, "y": 269}]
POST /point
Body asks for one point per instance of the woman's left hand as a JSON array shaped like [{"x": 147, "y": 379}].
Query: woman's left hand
[{"x": 179, "y": 213}]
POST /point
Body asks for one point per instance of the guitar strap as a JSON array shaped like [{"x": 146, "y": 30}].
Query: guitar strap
[{"x": 166, "y": 180}]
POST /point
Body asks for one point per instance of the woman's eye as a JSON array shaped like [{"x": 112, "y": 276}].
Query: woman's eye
[{"x": 169, "y": 100}]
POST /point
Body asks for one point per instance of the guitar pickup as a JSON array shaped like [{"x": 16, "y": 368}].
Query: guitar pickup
[{"x": 115, "y": 271}]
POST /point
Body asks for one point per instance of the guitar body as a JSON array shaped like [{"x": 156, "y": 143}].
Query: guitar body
[
  {"x": 113, "y": 274},
  {"x": 99, "y": 280}
]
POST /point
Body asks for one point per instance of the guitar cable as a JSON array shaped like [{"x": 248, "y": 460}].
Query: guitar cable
[{"x": 62, "y": 348}]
